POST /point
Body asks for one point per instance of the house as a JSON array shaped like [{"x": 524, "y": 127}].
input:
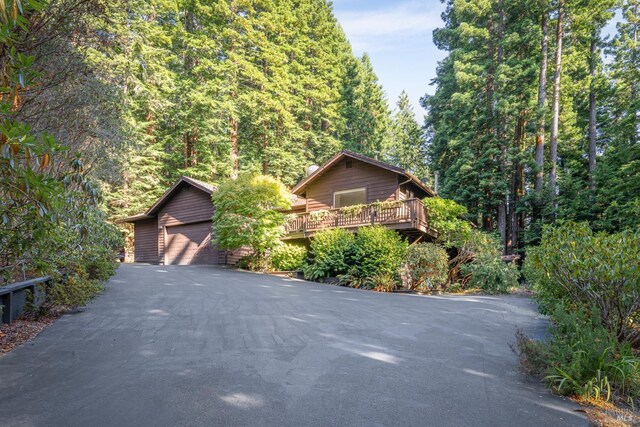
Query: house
[
  {"x": 348, "y": 191},
  {"x": 352, "y": 190},
  {"x": 177, "y": 228}
]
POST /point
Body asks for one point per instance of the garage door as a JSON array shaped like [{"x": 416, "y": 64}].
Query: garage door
[{"x": 190, "y": 244}]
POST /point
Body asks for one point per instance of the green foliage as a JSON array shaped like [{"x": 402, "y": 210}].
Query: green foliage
[
  {"x": 247, "y": 213},
  {"x": 74, "y": 289},
  {"x": 229, "y": 87},
  {"x": 85, "y": 257},
  {"x": 493, "y": 107},
  {"x": 425, "y": 266},
  {"x": 330, "y": 254},
  {"x": 407, "y": 147},
  {"x": 384, "y": 282},
  {"x": 481, "y": 264},
  {"x": 447, "y": 217},
  {"x": 365, "y": 109},
  {"x": 378, "y": 250},
  {"x": 355, "y": 278},
  {"x": 288, "y": 257},
  {"x": 583, "y": 269},
  {"x": 49, "y": 211},
  {"x": 254, "y": 262},
  {"x": 581, "y": 357},
  {"x": 491, "y": 274}
]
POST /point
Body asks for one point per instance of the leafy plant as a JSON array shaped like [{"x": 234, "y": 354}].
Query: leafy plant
[
  {"x": 489, "y": 273},
  {"x": 378, "y": 250},
  {"x": 330, "y": 254},
  {"x": 481, "y": 249},
  {"x": 581, "y": 357},
  {"x": 254, "y": 262},
  {"x": 247, "y": 213},
  {"x": 425, "y": 266},
  {"x": 583, "y": 270},
  {"x": 319, "y": 215},
  {"x": 386, "y": 204},
  {"x": 384, "y": 282},
  {"x": 355, "y": 278},
  {"x": 447, "y": 217},
  {"x": 288, "y": 257},
  {"x": 352, "y": 211}
]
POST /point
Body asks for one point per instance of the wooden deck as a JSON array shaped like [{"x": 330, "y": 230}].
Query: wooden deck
[{"x": 409, "y": 216}]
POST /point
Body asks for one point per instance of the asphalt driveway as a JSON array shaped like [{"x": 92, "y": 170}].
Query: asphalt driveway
[{"x": 203, "y": 346}]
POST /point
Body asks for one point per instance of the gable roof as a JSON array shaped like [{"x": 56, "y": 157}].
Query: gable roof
[
  {"x": 297, "y": 190},
  {"x": 150, "y": 213}
]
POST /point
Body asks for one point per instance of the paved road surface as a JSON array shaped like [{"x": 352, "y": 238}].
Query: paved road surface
[{"x": 204, "y": 346}]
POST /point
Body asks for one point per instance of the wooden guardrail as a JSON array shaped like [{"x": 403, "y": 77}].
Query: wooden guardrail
[
  {"x": 13, "y": 298},
  {"x": 385, "y": 213}
]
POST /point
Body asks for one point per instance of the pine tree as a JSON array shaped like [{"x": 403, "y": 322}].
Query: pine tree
[
  {"x": 365, "y": 110},
  {"x": 407, "y": 144},
  {"x": 618, "y": 173}
]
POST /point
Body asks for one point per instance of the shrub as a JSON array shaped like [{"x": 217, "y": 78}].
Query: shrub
[
  {"x": 447, "y": 217},
  {"x": 425, "y": 266},
  {"x": 478, "y": 242},
  {"x": 583, "y": 270},
  {"x": 581, "y": 357},
  {"x": 378, "y": 250},
  {"x": 478, "y": 264},
  {"x": 74, "y": 288},
  {"x": 287, "y": 257},
  {"x": 254, "y": 262},
  {"x": 330, "y": 254},
  {"x": 491, "y": 274},
  {"x": 86, "y": 256}
]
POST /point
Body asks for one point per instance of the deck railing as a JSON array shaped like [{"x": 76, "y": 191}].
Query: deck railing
[{"x": 410, "y": 212}]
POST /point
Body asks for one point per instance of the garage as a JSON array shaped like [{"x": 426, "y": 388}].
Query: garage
[
  {"x": 190, "y": 244},
  {"x": 177, "y": 228}
]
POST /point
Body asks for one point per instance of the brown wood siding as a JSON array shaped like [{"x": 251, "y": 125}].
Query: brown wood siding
[
  {"x": 233, "y": 256},
  {"x": 190, "y": 244},
  {"x": 145, "y": 235},
  {"x": 188, "y": 205},
  {"x": 381, "y": 184}
]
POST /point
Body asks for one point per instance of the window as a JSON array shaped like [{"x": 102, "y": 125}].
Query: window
[
  {"x": 357, "y": 196},
  {"x": 349, "y": 163}
]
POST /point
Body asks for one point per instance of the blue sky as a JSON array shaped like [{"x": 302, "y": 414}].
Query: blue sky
[{"x": 397, "y": 36}]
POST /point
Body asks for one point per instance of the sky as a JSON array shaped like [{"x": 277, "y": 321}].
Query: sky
[{"x": 397, "y": 36}]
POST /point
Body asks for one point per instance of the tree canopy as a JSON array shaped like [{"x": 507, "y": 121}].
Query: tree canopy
[{"x": 248, "y": 212}]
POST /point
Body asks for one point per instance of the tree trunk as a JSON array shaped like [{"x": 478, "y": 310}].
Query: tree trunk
[
  {"x": 592, "y": 114},
  {"x": 556, "y": 101},
  {"x": 234, "y": 148},
  {"x": 503, "y": 223},
  {"x": 517, "y": 187},
  {"x": 542, "y": 96},
  {"x": 265, "y": 146}
]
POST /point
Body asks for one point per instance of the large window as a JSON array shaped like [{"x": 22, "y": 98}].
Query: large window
[{"x": 356, "y": 196}]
